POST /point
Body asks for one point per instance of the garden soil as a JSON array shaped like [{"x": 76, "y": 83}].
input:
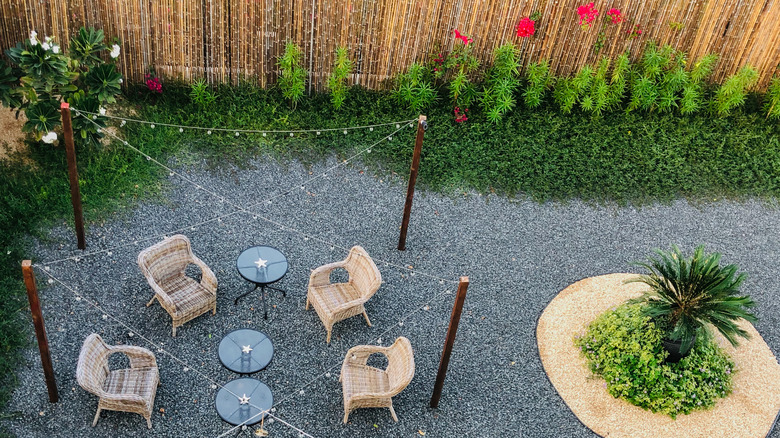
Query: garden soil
[{"x": 749, "y": 411}]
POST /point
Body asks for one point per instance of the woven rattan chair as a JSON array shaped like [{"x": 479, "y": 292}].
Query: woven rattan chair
[
  {"x": 335, "y": 302},
  {"x": 129, "y": 390},
  {"x": 368, "y": 387},
  {"x": 163, "y": 265}
]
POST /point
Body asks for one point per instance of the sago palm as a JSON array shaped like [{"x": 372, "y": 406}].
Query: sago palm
[{"x": 688, "y": 293}]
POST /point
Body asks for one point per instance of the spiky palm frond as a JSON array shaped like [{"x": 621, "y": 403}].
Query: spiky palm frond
[{"x": 691, "y": 292}]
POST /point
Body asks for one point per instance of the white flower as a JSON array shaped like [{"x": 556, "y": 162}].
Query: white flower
[
  {"x": 120, "y": 80},
  {"x": 102, "y": 111},
  {"x": 50, "y": 137},
  {"x": 55, "y": 48},
  {"x": 45, "y": 46},
  {"x": 33, "y": 38},
  {"x": 49, "y": 39},
  {"x": 115, "y": 51}
]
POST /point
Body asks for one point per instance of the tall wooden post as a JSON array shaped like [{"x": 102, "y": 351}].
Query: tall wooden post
[
  {"x": 40, "y": 329},
  {"x": 422, "y": 125},
  {"x": 73, "y": 173},
  {"x": 457, "y": 309}
]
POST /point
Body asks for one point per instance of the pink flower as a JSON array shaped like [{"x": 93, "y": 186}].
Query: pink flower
[
  {"x": 466, "y": 40},
  {"x": 615, "y": 15},
  {"x": 525, "y": 27},
  {"x": 587, "y": 14}
]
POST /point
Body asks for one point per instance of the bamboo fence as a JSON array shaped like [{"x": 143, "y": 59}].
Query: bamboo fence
[{"x": 235, "y": 40}]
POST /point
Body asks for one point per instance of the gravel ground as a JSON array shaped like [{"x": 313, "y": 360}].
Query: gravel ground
[{"x": 518, "y": 255}]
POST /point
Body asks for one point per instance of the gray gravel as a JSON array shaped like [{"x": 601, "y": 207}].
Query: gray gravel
[{"x": 518, "y": 255}]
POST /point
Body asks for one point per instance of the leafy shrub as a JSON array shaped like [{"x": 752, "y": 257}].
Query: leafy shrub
[
  {"x": 200, "y": 93},
  {"x": 342, "y": 68},
  {"x": 771, "y": 106},
  {"x": 623, "y": 346},
  {"x": 45, "y": 76},
  {"x": 414, "y": 89},
  {"x": 692, "y": 94},
  {"x": 460, "y": 67},
  {"x": 733, "y": 92},
  {"x": 538, "y": 74},
  {"x": 293, "y": 77},
  {"x": 617, "y": 81},
  {"x": 501, "y": 83}
]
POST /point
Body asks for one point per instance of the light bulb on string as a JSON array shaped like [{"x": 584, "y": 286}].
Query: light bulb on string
[
  {"x": 397, "y": 126},
  {"x": 265, "y": 134},
  {"x": 208, "y": 132},
  {"x": 124, "y": 122},
  {"x": 181, "y": 129},
  {"x": 371, "y": 129},
  {"x": 318, "y": 132},
  {"x": 152, "y": 126},
  {"x": 236, "y": 133},
  {"x": 292, "y": 134},
  {"x": 345, "y": 132}
]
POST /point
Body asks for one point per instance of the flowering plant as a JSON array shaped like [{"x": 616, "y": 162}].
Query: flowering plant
[
  {"x": 153, "y": 83},
  {"x": 525, "y": 27},
  {"x": 465, "y": 38},
  {"x": 634, "y": 31},
  {"x": 615, "y": 15},
  {"x": 587, "y": 14},
  {"x": 460, "y": 116}
]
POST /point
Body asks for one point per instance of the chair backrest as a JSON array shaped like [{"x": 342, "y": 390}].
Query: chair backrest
[
  {"x": 166, "y": 259},
  {"x": 400, "y": 364},
  {"x": 363, "y": 273},
  {"x": 92, "y": 368}
]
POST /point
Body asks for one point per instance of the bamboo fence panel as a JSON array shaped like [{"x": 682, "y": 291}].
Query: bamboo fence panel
[{"x": 236, "y": 40}]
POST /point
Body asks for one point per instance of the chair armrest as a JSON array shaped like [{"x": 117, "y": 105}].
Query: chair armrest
[
  {"x": 348, "y": 305},
  {"x": 124, "y": 398},
  {"x": 321, "y": 276},
  {"x": 359, "y": 355},
  {"x": 162, "y": 295},
  {"x": 208, "y": 279},
  {"x": 139, "y": 357}
]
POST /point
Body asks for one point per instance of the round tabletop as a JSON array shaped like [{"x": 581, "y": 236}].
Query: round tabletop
[
  {"x": 262, "y": 265},
  {"x": 245, "y": 351},
  {"x": 241, "y": 401}
]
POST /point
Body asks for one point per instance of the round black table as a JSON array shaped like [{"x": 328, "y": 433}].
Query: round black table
[
  {"x": 245, "y": 351},
  {"x": 244, "y": 401},
  {"x": 262, "y": 265}
]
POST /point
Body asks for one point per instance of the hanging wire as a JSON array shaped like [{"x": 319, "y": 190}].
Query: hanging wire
[
  {"x": 158, "y": 347},
  {"x": 248, "y": 131},
  {"x": 246, "y": 210}
]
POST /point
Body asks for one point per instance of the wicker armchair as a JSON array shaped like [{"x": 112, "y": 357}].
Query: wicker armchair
[
  {"x": 129, "y": 390},
  {"x": 335, "y": 302},
  {"x": 368, "y": 387},
  {"x": 163, "y": 265}
]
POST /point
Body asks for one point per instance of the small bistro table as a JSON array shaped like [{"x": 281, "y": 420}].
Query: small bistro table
[
  {"x": 244, "y": 401},
  {"x": 262, "y": 266},
  {"x": 245, "y": 351}
]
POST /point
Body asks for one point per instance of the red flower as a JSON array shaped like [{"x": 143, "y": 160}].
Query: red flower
[
  {"x": 634, "y": 31},
  {"x": 460, "y": 116},
  {"x": 615, "y": 15},
  {"x": 525, "y": 27},
  {"x": 466, "y": 40},
  {"x": 587, "y": 14}
]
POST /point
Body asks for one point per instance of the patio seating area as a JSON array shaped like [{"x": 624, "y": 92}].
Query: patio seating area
[{"x": 513, "y": 251}]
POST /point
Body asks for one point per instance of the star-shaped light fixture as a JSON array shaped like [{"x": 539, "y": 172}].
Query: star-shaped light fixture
[
  {"x": 246, "y": 349},
  {"x": 261, "y": 263},
  {"x": 244, "y": 400}
]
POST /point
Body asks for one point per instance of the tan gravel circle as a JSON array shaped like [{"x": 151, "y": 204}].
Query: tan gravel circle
[{"x": 749, "y": 411}]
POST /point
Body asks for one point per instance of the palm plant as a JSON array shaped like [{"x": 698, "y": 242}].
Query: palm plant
[{"x": 687, "y": 293}]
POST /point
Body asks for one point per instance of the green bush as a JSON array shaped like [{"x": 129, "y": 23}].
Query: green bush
[
  {"x": 538, "y": 75},
  {"x": 293, "y": 77},
  {"x": 733, "y": 92},
  {"x": 501, "y": 83},
  {"x": 772, "y": 98},
  {"x": 200, "y": 93},
  {"x": 414, "y": 89},
  {"x": 623, "y": 346},
  {"x": 342, "y": 68}
]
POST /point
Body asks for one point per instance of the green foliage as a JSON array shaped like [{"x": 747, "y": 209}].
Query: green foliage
[
  {"x": 85, "y": 47},
  {"x": 771, "y": 104},
  {"x": 689, "y": 292},
  {"x": 46, "y": 76},
  {"x": 414, "y": 89},
  {"x": 733, "y": 92},
  {"x": 200, "y": 93},
  {"x": 538, "y": 74},
  {"x": 623, "y": 346},
  {"x": 342, "y": 68},
  {"x": 501, "y": 83},
  {"x": 692, "y": 94},
  {"x": 617, "y": 82},
  {"x": 293, "y": 78},
  {"x": 460, "y": 67}
]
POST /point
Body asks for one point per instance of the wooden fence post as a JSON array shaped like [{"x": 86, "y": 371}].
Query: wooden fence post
[
  {"x": 73, "y": 173},
  {"x": 422, "y": 125},
  {"x": 40, "y": 330},
  {"x": 457, "y": 308}
]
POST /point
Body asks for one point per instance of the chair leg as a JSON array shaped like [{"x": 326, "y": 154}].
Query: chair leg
[
  {"x": 392, "y": 412},
  {"x": 97, "y": 417},
  {"x": 327, "y": 340},
  {"x": 368, "y": 321},
  {"x": 151, "y": 301},
  {"x": 346, "y": 416},
  {"x": 149, "y": 422},
  {"x": 214, "y": 310},
  {"x": 174, "y": 331},
  {"x": 307, "y": 304}
]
